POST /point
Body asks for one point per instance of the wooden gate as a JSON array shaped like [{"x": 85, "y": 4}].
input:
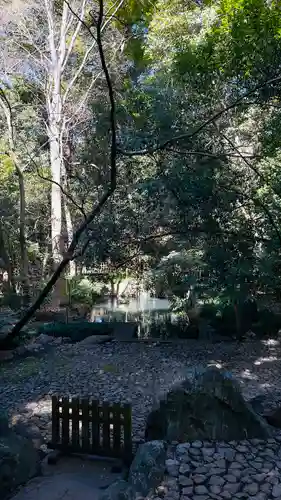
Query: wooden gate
[{"x": 87, "y": 426}]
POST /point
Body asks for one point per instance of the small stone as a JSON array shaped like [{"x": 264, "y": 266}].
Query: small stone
[
  {"x": 161, "y": 491},
  {"x": 216, "y": 481},
  {"x": 215, "y": 489},
  {"x": 235, "y": 465},
  {"x": 269, "y": 452},
  {"x": 185, "y": 481},
  {"x": 198, "y": 478},
  {"x": 197, "y": 444},
  {"x": 200, "y": 497},
  {"x": 195, "y": 464},
  {"x": 259, "y": 477},
  {"x": 184, "y": 469},
  {"x": 208, "y": 451},
  {"x": 172, "y": 467},
  {"x": 220, "y": 463},
  {"x": 229, "y": 455},
  {"x": 215, "y": 471},
  {"x": 226, "y": 494},
  {"x": 272, "y": 480},
  {"x": 230, "y": 478},
  {"x": 201, "y": 470},
  {"x": 242, "y": 449},
  {"x": 261, "y": 496},
  {"x": 187, "y": 490},
  {"x": 276, "y": 491},
  {"x": 236, "y": 473},
  {"x": 267, "y": 466},
  {"x": 251, "y": 488},
  {"x": 182, "y": 448},
  {"x": 240, "y": 458},
  {"x": 195, "y": 452},
  {"x": 232, "y": 487},
  {"x": 266, "y": 488},
  {"x": 257, "y": 465},
  {"x": 171, "y": 463},
  {"x": 201, "y": 490}
]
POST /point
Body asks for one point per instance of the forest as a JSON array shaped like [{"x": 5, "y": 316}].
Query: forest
[{"x": 133, "y": 130}]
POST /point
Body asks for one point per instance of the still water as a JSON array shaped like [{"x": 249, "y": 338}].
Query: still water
[{"x": 145, "y": 310}]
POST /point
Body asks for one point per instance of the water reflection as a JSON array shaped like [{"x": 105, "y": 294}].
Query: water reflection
[{"x": 145, "y": 310}]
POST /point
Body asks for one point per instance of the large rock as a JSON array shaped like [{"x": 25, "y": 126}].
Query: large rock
[
  {"x": 119, "y": 490},
  {"x": 148, "y": 467},
  {"x": 96, "y": 339},
  {"x": 210, "y": 407},
  {"x": 19, "y": 461}
]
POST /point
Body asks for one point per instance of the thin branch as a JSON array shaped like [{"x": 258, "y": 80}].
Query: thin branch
[
  {"x": 208, "y": 155},
  {"x": 78, "y": 72},
  {"x": 75, "y": 34},
  {"x": 112, "y": 15}
]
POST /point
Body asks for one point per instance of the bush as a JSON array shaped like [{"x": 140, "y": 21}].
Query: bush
[
  {"x": 84, "y": 291},
  {"x": 76, "y": 330}
]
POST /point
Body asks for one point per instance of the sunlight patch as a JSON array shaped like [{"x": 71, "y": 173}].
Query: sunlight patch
[
  {"x": 260, "y": 361},
  {"x": 270, "y": 342},
  {"x": 247, "y": 374}
]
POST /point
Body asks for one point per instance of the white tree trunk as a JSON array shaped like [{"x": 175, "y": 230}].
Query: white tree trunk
[{"x": 56, "y": 208}]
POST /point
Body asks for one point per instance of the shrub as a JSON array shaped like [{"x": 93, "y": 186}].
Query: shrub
[
  {"x": 84, "y": 291},
  {"x": 76, "y": 330}
]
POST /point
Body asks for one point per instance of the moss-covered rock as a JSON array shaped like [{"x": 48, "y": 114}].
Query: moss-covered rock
[{"x": 210, "y": 407}]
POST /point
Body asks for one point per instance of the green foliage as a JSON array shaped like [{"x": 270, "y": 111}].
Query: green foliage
[{"x": 84, "y": 291}]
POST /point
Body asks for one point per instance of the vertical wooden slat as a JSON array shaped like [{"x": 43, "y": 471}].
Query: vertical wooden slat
[
  {"x": 106, "y": 428},
  {"x": 127, "y": 412},
  {"x": 86, "y": 448},
  {"x": 116, "y": 409},
  {"x": 75, "y": 424},
  {"x": 90, "y": 416},
  {"x": 95, "y": 426},
  {"x": 55, "y": 421},
  {"x": 65, "y": 421}
]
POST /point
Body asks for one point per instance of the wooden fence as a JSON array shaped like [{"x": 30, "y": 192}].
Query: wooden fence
[{"x": 87, "y": 426}]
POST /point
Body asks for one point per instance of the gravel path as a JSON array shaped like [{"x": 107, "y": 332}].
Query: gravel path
[{"x": 135, "y": 372}]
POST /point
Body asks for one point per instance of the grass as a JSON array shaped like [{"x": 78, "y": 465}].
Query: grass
[
  {"x": 110, "y": 369},
  {"x": 24, "y": 369}
]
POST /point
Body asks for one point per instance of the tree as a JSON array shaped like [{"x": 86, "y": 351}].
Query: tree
[{"x": 11, "y": 153}]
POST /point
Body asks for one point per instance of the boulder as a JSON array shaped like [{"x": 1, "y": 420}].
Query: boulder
[
  {"x": 274, "y": 418},
  {"x": 148, "y": 467},
  {"x": 19, "y": 461},
  {"x": 96, "y": 339},
  {"x": 44, "y": 339},
  {"x": 119, "y": 490},
  {"x": 210, "y": 407}
]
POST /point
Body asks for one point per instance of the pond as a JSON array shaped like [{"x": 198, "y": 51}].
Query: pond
[{"x": 145, "y": 310}]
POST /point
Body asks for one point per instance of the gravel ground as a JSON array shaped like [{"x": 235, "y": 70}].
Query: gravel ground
[{"x": 134, "y": 372}]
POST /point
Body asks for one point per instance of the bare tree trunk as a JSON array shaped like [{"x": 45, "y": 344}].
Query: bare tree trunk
[
  {"x": 22, "y": 238},
  {"x": 56, "y": 205},
  {"x": 6, "y": 262},
  {"x": 22, "y": 215},
  {"x": 68, "y": 218}
]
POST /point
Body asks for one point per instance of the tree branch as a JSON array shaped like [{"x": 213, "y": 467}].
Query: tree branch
[{"x": 75, "y": 34}]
